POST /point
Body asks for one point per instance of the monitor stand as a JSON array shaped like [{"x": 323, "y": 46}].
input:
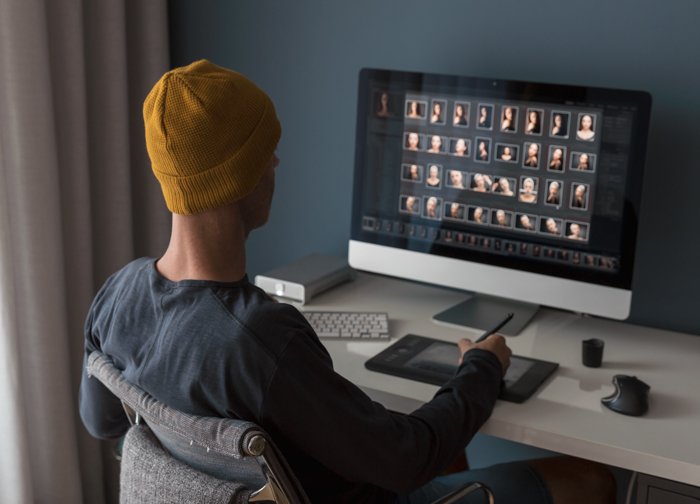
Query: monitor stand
[{"x": 484, "y": 312}]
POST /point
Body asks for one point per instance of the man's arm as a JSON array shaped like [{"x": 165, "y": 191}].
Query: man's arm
[
  {"x": 334, "y": 422},
  {"x": 100, "y": 410}
]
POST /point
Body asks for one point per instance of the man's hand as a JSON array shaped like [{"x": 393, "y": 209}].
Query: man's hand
[{"x": 495, "y": 344}]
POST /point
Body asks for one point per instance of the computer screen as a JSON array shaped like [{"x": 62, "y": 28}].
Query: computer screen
[{"x": 524, "y": 190}]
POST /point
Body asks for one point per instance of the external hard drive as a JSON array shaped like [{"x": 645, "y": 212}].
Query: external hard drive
[{"x": 303, "y": 279}]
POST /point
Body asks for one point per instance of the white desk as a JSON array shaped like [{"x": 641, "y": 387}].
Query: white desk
[{"x": 565, "y": 415}]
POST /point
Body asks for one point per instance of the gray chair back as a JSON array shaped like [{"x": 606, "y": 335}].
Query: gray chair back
[
  {"x": 224, "y": 449},
  {"x": 151, "y": 475}
]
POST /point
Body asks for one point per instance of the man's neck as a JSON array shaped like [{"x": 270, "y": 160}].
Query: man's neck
[{"x": 207, "y": 246}]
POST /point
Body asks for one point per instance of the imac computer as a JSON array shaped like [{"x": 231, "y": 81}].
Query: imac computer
[{"x": 522, "y": 193}]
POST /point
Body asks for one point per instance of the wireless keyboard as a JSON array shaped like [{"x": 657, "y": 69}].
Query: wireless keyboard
[{"x": 349, "y": 325}]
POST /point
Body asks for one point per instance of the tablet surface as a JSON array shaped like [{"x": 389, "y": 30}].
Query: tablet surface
[{"x": 435, "y": 361}]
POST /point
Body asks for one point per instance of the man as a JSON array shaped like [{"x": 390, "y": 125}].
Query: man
[{"x": 192, "y": 331}]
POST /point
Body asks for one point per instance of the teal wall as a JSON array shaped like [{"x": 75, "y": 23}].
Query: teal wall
[{"x": 307, "y": 54}]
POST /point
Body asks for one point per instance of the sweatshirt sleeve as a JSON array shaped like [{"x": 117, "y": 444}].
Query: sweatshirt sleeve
[
  {"x": 340, "y": 426},
  {"x": 100, "y": 411}
]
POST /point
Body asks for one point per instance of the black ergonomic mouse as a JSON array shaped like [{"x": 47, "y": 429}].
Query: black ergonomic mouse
[{"x": 630, "y": 397}]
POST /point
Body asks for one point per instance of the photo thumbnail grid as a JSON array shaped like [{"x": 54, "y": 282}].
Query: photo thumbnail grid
[{"x": 516, "y": 155}]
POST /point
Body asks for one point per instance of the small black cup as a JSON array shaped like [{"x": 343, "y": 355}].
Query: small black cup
[{"x": 592, "y": 352}]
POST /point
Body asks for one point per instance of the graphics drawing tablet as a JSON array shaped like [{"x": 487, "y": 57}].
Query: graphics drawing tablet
[{"x": 435, "y": 361}]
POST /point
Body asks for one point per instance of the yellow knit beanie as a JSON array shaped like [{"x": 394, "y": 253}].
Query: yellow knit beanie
[{"x": 210, "y": 134}]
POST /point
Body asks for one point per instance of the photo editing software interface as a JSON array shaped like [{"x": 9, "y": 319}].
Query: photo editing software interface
[{"x": 544, "y": 178}]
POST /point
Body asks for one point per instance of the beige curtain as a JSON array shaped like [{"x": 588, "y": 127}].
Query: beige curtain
[{"x": 77, "y": 201}]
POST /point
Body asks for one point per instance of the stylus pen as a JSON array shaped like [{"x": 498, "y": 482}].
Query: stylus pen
[{"x": 495, "y": 329}]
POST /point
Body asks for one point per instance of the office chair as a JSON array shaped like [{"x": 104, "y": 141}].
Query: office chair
[{"x": 170, "y": 457}]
